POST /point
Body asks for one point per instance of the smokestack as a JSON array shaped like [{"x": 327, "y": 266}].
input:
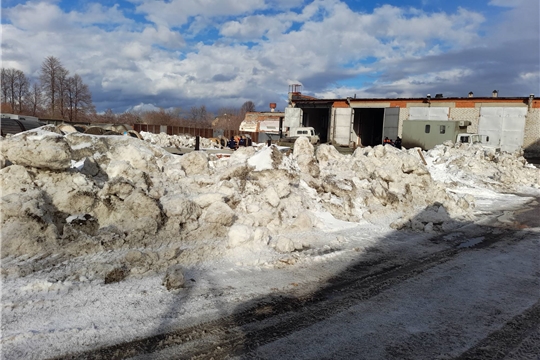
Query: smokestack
[
  {"x": 294, "y": 90},
  {"x": 272, "y": 107}
]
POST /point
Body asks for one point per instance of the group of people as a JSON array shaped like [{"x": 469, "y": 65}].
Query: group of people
[
  {"x": 237, "y": 141},
  {"x": 396, "y": 143}
]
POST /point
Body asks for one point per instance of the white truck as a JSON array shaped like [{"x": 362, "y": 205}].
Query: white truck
[
  {"x": 467, "y": 138},
  {"x": 309, "y": 132}
]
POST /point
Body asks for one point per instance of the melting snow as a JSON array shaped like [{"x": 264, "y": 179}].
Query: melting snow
[{"x": 91, "y": 224}]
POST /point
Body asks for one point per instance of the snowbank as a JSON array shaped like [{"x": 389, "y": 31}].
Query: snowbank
[
  {"x": 81, "y": 194},
  {"x": 183, "y": 140},
  {"x": 483, "y": 167}
]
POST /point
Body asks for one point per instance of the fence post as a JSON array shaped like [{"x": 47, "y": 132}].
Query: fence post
[{"x": 197, "y": 142}]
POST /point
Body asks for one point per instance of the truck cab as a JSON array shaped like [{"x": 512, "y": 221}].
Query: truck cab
[
  {"x": 472, "y": 138},
  {"x": 309, "y": 132}
]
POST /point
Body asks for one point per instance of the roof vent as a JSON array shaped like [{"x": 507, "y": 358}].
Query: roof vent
[
  {"x": 471, "y": 94},
  {"x": 438, "y": 96},
  {"x": 495, "y": 93}
]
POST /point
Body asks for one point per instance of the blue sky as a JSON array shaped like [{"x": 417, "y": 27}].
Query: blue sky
[{"x": 184, "y": 53}]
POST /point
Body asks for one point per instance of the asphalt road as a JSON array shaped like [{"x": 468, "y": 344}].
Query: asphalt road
[{"x": 475, "y": 299}]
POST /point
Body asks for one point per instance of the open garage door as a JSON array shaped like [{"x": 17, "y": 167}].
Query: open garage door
[
  {"x": 293, "y": 117},
  {"x": 390, "y": 123},
  {"x": 319, "y": 119}
]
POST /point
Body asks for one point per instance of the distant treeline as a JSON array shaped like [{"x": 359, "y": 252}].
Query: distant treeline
[{"x": 57, "y": 95}]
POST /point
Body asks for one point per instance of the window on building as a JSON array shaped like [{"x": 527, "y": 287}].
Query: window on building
[
  {"x": 428, "y": 128},
  {"x": 443, "y": 129}
]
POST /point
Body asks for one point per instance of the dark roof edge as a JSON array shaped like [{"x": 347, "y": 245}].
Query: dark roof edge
[{"x": 421, "y": 98}]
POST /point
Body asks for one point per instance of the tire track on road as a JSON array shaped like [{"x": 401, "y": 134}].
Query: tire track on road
[{"x": 274, "y": 317}]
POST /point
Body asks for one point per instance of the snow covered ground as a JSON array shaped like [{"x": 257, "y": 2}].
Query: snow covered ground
[{"x": 109, "y": 239}]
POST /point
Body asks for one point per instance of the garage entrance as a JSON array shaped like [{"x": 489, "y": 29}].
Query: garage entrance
[
  {"x": 319, "y": 119},
  {"x": 372, "y": 125},
  {"x": 368, "y": 126}
]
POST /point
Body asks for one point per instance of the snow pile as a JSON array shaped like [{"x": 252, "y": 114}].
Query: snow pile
[
  {"x": 179, "y": 141},
  {"x": 473, "y": 165},
  {"x": 149, "y": 211},
  {"x": 385, "y": 184}
]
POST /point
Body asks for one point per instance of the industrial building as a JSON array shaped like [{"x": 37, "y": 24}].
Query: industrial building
[
  {"x": 267, "y": 124},
  {"x": 367, "y": 121}
]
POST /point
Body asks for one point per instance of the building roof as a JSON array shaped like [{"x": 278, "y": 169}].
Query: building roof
[{"x": 401, "y": 102}]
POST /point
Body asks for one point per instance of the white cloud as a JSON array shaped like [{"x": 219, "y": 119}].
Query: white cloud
[
  {"x": 99, "y": 14},
  {"x": 520, "y": 21},
  {"x": 318, "y": 45},
  {"x": 507, "y": 3},
  {"x": 35, "y": 17},
  {"x": 143, "y": 107},
  {"x": 162, "y": 36},
  {"x": 253, "y": 28},
  {"x": 176, "y": 13},
  {"x": 530, "y": 76}
]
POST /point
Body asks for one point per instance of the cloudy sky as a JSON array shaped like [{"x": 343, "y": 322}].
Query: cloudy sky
[{"x": 184, "y": 53}]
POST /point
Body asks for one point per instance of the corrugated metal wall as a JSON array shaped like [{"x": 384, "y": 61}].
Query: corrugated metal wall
[
  {"x": 13, "y": 126},
  {"x": 193, "y": 131}
]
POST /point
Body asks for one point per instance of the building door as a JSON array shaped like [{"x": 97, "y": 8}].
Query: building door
[
  {"x": 343, "y": 125},
  {"x": 504, "y": 126},
  {"x": 390, "y": 123},
  {"x": 293, "y": 117}
]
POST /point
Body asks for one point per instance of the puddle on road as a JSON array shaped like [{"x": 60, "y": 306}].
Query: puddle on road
[
  {"x": 507, "y": 217},
  {"x": 471, "y": 242},
  {"x": 529, "y": 217}
]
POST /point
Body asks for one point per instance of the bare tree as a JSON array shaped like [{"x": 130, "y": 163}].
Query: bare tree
[
  {"x": 248, "y": 106},
  {"x": 22, "y": 85},
  {"x": 108, "y": 117},
  {"x": 51, "y": 71},
  {"x": 5, "y": 88},
  {"x": 200, "y": 116},
  {"x": 78, "y": 98},
  {"x": 227, "y": 118},
  {"x": 15, "y": 86},
  {"x": 157, "y": 117},
  {"x": 176, "y": 113},
  {"x": 227, "y": 111},
  {"x": 8, "y": 87},
  {"x": 62, "y": 84},
  {"x": 35, "y": 100},
  {"x": 131, "y": 117},
  {"x": 198, "y": 113}
]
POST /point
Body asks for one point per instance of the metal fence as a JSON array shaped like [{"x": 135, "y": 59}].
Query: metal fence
[{"x": 193, "y": 131}]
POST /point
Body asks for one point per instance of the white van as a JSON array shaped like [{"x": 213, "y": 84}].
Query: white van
[{"x": 309, "y": 132}]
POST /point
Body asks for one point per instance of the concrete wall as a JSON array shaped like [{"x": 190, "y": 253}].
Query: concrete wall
[
  {"x": 467, "y": 109},
  {"x": 531, "y": 141},
  {"x": 403, "y": 115},
  {"x": 469, "y": 114}
]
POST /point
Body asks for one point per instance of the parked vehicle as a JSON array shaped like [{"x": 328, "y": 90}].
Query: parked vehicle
[
  {"x": 426, "y": 134},
  {"x": 309, "y": 132},
  {"x": 472, "y": 138}
]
